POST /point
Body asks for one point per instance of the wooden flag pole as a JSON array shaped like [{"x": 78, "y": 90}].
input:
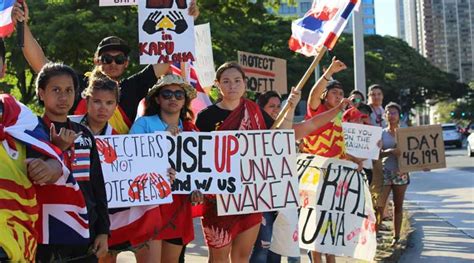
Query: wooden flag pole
[{"x": 304, "y": 79}]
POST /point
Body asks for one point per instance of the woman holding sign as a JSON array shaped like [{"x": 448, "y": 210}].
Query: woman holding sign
[
  {"x": 392, "y": 179},
  {"x": 167, "y": 108},
  {"x": 237, "y": 232}
]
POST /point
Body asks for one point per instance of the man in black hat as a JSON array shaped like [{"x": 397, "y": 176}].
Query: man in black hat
[{"x": 111, "y": 57}]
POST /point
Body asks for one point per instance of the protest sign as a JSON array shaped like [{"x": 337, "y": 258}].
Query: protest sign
[
  {"x": 117, "y": 2},
  {"x": 205, "y": 161},
  {"x": 361, "y": 140},
  {"x": 336, "y": 216},
  {"x": 421, "y": 148},
  {"x": 267, "y": 170},
  {"x": 135, "y": 169},
  {"x": 263, "y": 73},
  {"x": 204, "y": 58},
  {"x": 166, "y": 32}
]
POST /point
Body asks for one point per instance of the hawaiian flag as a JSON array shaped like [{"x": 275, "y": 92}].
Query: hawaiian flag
[
  {"x": 6, "y": 23},
  {"x": 63, "y": 213},
  {"x": 320, "y": 26}
]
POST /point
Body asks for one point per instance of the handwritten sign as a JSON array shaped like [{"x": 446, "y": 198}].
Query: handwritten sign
[
  {"x": 204, "y": 57},
  {"x": 263, "y": 73},
  {"x": 135, "y": 169},
  {"x": 204, "y": 161},
  {"x": 361, "y": 140},
  {"x": 421, "y": 148},
  {"x": 336, "y": 216},
  {"x": 117, "y": 2},
  {"x": 268, "y": 175},
  {"x": 166, "y": 32}
]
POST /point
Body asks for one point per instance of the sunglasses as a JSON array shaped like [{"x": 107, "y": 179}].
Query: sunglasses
[
  {"x": 108, "y": 59},
  {"x": 357, "y": 100},
  {"x": 168, "y": 94}
]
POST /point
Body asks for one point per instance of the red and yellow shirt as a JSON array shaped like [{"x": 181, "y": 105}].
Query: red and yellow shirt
[{"x": 327, "y": 141}]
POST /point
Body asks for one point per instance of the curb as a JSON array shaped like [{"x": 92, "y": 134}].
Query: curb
[{"x": 387, "y": 254}]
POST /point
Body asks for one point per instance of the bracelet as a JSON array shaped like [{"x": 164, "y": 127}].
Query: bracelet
[{"x": 324, "y": 77}]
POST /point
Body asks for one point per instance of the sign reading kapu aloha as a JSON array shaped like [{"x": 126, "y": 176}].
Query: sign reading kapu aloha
[{"x": 166, "y": 31}]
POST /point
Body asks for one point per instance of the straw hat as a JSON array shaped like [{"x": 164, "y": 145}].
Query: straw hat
[{"x": 171, "y": 79}]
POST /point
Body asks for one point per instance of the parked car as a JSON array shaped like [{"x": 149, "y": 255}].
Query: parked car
[
  {"x": 470, "y": 143},
  {"x": 469, "y": 129},
  {"x": 452, "y": 135}
]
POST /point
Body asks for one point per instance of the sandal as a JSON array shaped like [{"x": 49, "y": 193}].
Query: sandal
[{"x": 395, "y": 242}]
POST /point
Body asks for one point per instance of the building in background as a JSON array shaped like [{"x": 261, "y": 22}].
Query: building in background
[
  {"x": 442, "y": 31},
  {"x": 302, "y": 6}
]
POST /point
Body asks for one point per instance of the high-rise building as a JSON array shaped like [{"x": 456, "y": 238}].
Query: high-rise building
[
  {"x": 302, "y": 6},
  {"x": 442, "y": 31}
]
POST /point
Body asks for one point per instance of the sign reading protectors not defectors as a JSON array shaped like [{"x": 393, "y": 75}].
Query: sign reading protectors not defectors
[
  {"x": 264, "y": 73},
  {"x": 421, "y": 148}
]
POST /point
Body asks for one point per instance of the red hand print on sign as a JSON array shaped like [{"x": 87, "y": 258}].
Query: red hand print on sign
[
  {"x": 155, "y": 179},
  {"x": 164, "y": 188},
  {"x": 106, "y": 150}
]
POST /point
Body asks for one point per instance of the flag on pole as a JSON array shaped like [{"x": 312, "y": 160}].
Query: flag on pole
[
  {"x": 6, "y": 23},
  {"x": 320, "y": 26}
]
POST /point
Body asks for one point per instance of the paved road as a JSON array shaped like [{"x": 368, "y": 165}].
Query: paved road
[{"x": 442, "y": 205}]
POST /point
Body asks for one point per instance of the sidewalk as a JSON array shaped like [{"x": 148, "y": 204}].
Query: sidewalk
[
  {"x": 196, "y": 252},
  {"x": 435, "y": 240}
]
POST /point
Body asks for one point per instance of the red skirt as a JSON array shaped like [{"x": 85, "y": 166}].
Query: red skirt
[
  {"x": 177, "y": 219},
  {"x": 220, "y": 231}
]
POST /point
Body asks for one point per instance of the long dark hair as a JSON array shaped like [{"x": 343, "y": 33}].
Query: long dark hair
[
  {"x": 153, "y": 108},
  {"x": 265, "y": 97}
]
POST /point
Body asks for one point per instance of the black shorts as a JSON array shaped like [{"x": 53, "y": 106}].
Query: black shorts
[{"x": 175, "y": 241}]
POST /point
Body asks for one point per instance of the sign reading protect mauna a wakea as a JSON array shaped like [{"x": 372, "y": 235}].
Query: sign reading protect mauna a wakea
[{"x": 267, "y": 171}]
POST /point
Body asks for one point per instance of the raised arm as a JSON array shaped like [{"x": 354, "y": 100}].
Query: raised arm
[
  {"x": 314, "y": 99},
  {"x": 32, "y": 50}
]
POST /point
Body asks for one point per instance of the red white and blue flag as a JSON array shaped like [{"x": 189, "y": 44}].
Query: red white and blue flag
[
  {"x": 63, "y": 212},
  {"x": 6, "y": 23},
  {"x": 320, "y": 26}
]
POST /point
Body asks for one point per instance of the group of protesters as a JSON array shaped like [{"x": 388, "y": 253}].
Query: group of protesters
[{"x": 42, "y": 153}]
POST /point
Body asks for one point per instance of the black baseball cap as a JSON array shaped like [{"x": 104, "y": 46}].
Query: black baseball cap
[{"x": 112, "y": 43}]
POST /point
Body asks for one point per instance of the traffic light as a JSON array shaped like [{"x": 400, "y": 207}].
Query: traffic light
[
  {"x": 452, "y": 114},
  {"x": 463, "y": 114}
]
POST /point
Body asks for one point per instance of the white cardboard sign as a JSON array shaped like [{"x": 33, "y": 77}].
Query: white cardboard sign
[
  {"x": 135, "y": 169},
  {"x": 361, "y": 140},
  {"x": 166, "y": 32},
  {"x": 267, "y": 168}
]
